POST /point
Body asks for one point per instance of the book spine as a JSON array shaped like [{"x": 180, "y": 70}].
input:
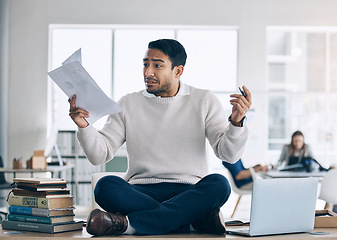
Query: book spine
[
  {"x": 24, "y": 201},
  {"x": 28, "y": 226},
  {"x": 29, "y": 211},
  {"x": 26, "y": 218}
]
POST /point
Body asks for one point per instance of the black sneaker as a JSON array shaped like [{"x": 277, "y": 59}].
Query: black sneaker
[{"x": 212, "y": 223}]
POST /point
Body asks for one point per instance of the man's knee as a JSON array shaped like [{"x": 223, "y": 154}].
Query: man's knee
[
  {"x": 219, "y": 184},
  {"x": 106, "y": 184}
]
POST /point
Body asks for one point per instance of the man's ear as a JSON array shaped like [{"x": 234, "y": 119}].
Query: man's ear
[{"x": 178, "y": 70}]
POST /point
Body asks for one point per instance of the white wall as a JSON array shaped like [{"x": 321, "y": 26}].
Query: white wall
[{"x": 28, "y": 44}]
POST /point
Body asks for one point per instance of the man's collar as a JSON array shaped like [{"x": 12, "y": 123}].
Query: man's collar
[{"x": 184, "y": 90}]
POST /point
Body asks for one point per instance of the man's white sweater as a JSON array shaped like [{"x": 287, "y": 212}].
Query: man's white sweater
[{"x": 166, "y": 137}]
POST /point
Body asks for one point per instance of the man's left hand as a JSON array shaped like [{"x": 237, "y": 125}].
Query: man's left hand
[{"x": 241, "y": 105}]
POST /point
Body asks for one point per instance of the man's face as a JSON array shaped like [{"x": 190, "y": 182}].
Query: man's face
[{"x": 160, "y": 79}]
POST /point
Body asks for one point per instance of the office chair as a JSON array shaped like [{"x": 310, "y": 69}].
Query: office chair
[
  {"x": 237, "y": 190},
  {"x": 328, "y": 191},
  {"x": 97, "y": 176}
]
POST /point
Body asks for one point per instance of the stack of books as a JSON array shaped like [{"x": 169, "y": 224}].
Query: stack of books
[{"x": 41, "y": 205}]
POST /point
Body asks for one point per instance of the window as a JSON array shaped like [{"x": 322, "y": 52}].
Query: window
[
  {"x": 113, "y": 57},
  {"x": 96, "y": 51},
  {"x": 212, "y": 59},
  {"x": 302, "y": 89}
]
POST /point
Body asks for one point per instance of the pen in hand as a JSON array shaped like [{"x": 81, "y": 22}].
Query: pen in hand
[{"x": 243, "y": 92}]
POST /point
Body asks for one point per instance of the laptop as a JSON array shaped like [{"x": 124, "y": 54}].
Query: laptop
[{"x": 280, "y": 206}]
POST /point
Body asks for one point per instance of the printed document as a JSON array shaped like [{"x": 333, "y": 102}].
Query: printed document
[{"x": 72, "y": 78}]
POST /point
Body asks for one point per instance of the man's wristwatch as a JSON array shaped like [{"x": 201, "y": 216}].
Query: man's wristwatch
[{"x": 242, "y": 122}]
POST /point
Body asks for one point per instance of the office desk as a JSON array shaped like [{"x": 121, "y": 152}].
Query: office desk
[
  {"x": 291, "y": 174},
  {"x": 9, "y": 234},
  {"x": 52, "y": 169}
]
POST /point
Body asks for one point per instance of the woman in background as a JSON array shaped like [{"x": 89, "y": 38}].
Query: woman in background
[
  {"x": 297, "y": 148},
  {"x": 242, "y": 176}
]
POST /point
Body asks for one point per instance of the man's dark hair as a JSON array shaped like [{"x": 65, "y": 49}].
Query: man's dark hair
[{"x": 172, "y": 48}]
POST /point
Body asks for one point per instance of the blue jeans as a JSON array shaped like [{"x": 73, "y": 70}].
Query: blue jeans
[{"x": 163, "y": 207}]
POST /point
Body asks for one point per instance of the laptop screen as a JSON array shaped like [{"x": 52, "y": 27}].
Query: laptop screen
[{"x": 285, "y": 205}]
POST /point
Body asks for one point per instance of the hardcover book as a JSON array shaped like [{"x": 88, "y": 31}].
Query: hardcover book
[
  {"x": 46, "y": 193},
  {"x": 42, "y": 212},
  {"x": 41, "y": 187},
  {"x": 42, "y": 227},
  {"x": 40, "y": 180},
  {"x": 36, "y": 219},
  {"x": 40, "y": 184},
  {"x": 40, "y": 202}
]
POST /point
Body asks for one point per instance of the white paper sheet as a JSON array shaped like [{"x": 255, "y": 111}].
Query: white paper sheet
[
  {"x": 72, "y": 78},
  {"x": 75, "y": 57}
]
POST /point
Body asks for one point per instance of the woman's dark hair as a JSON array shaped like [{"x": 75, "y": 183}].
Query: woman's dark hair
[
  {"x": 292, "y": 147},
  {"x": 172, "y": 48}
]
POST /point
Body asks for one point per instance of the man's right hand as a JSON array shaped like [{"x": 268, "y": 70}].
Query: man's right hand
[{"x": 78, "y": 114}]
